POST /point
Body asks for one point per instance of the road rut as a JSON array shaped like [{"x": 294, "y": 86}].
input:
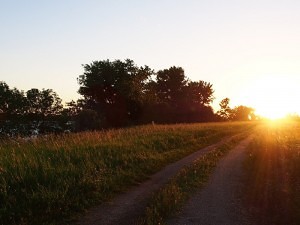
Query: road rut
[
  {"x": 127, "y": 207},
  {"x": 219, "y": 202}
]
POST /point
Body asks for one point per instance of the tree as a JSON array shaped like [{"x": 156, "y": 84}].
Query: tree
[
  {"x": 115, "y": 90},
  {"x": 197, "y": 99},
  {"x": 73, "y": 108},
  {"x": 165, "y": 95},
  {"x": 225, "y": 111},
  {"x": 242, "y": 113},
  {"x": 200, "y": 93},
  {"x": 87, "y": 119},
  {"x": 170, "y": 85},
  {"x": 12, "y": 101},
  {"x": 21, "y": 113},
  {"x": 5, "y": 94},
  {"x": 43, "y": 103},
  {"x": 176, "y": 99},
  {"x": 17, "y": 102}
]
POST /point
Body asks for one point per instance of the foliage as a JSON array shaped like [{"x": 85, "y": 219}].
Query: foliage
[
  {"x": 114, "y": 89},
  {"x": 25, "y": 113},
  {"x": 225, "y": 110},
  {"x": 35, "y": 102},
  {"x": 12, "y": 101},
  {"x": 120, "y": 93},
  {"x": 238, "y": 113},
  {"x": 176, "y": 99},
  {"x": 172, "y": 87},
  {"x": 45, "y": 102},
  {"x": 87, "y": 119},
  {"x": 242, "y": 113},
  {"x": 200, "y": 93},
  {"x": 170, "y": 84}
]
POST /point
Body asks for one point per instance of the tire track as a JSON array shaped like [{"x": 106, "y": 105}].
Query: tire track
[
  {"x": 219, "y": 202},
  {"x": 127, "y": 207}
]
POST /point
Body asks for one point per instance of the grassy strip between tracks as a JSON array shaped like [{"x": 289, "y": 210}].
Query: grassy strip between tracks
[
  {"x": 171, "y": 198},
  {"x": 50, "y": 179}
]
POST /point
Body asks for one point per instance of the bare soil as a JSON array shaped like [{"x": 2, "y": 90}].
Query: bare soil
[
  {"x": 128, "y": 207},
  {"x": 220, "y": 201}
]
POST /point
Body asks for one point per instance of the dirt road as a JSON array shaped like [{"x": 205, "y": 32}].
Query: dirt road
[
  {"x": 127, "y": 207},
  {"x": 220, "y": 201}
]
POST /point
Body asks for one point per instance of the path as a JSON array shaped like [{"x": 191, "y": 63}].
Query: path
[
  {"x": 220, "y": 201},
  {"x": 127, "y": 207}
]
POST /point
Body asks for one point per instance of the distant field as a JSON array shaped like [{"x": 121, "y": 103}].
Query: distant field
[
  {"x": 273, "y": 174},
  {"x": 49, "y": 179}
]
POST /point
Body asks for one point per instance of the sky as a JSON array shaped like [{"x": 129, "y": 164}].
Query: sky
[{"x": 248, "y": 50}]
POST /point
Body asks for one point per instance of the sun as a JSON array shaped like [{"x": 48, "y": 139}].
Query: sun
[
  {"x": 274, "y": 97},
  {"x": 271, "y": 112}
]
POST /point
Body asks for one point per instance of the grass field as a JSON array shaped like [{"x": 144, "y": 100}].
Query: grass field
[
  {"x": 49, "y": 179},
  {"x": 273, "y": 174}
]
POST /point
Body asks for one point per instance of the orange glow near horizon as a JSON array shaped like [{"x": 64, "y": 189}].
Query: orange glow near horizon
[{"x": 274, "y": 97}]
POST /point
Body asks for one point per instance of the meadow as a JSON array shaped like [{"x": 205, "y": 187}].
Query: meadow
[
  {"x": 273, "y": 174},
  {"x": 50, "y": 179}
]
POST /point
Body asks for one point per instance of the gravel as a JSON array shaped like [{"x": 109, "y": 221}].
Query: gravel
[
  {"x": 220, "y": 201},
  {"x": 128, "y": 207}
]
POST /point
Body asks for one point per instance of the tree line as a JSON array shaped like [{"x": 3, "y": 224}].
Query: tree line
[{"x": 116, "y": 94}]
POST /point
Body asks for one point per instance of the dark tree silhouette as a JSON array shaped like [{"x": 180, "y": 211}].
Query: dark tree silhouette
[
  {"x": 87, "y": 119},
  {"x": 116, "y": 93},
  {"x": 170, "y": 85},
  {"x": 5, "y": 94},
  {"x": 200, "y": 93},
  {"x": 176, "y": 99},
  {"x": 167, "y": 95},
  {"x": 18, "y": 102},
  {"x": 115, "y": 90},
  {"x": 21, "y": 114},
  {"x": 43, "y": 103},
  {"x": 74, "y": 108},
  {"x": 242, "y": 113},
  {"x": 198, "y": 97},
  {"x": 225, "y": 111},
  {"x": 12, "y": 103}
]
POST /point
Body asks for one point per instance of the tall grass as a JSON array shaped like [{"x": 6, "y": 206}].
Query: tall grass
[
  {"x": 49, "y": 179},
  {"x": 273, "y": 174}
]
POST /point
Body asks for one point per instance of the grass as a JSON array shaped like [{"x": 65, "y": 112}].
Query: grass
[
  {"x": 170, "y": 199},
  {"x": 273, "y": 174},
  {"x": 50, "y": 179}
]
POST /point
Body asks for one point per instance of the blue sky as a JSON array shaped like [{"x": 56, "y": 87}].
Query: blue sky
[{"x": 235, "y": 45}]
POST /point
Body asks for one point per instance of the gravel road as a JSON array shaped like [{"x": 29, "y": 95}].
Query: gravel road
[
  {"x": 127, "y": 207},
  {"x": 219, "y": 202}
]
